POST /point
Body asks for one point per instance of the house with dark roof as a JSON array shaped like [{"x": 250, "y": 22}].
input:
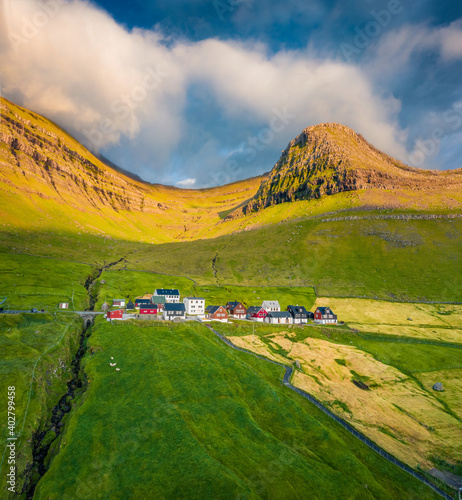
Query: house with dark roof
[
  {"x": 174, "y": 311},
  {"x": 236, "y": 310},
  {"x": 130, "y": 306},
  {"x": 216, "y": 313},
  {"x": 172, "y": 295},
  {"x": 324, "y": 316},
  {"x": 256, "y": 313},
  {"x": 299, "y": 314},
  {"x": 142, "y": 302},
  {"x": 279, "y": 318}
]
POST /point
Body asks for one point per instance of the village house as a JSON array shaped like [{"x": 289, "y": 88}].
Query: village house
[
  {"x": 172, "y": 296},
  {"x": 173, "y": 311},
  {"x": 63, "y": 305},
  {"x": 105, "y": 307},
  {"x": 271, "y": 306},
  {"x": 194, "y": 305},
  {"x": 130, "y": 306},
  {"x": 256, "y": 313},
  {"x": 142, "y": 302},
  {"x": 118, "y": 303},
  {"x": 236, "y": 310},
  {"x": 147, "y": 312},
  {"x": 279, "y": 317},
  {"x": 159, "y": 302},
  {"x": 217, "y": 313},
  {"x": 116, "y": 314},
  {"x": 299, "y": 314},
  {"x": 324, "y": 316}
]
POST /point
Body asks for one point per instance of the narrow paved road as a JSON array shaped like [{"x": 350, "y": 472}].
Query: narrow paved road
[{"x": 345, "y": 425}]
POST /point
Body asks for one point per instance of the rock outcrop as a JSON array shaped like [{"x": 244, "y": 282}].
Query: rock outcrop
[{"x": 330, "y": 158}]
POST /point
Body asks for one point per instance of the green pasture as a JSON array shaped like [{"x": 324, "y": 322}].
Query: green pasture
[
  {"x": 187, "y": 417},
  {"x": 42, "y": 283}
]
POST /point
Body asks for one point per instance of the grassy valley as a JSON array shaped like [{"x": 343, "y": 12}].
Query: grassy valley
[{"x": 184, "y": 415}]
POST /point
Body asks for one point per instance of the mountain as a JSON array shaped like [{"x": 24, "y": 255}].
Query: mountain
[
  {"x": 50, "y": 181},
  {"x": 329, "y": 158}
]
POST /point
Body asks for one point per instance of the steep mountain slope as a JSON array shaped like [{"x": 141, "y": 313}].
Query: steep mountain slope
[
  {"x": 53, "y": 188},
  {"x": 329, "y": 158},
  {"x": 48, "y": 180}
]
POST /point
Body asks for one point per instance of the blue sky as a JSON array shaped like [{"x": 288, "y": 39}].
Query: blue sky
[{"x": 199, "y": 93}]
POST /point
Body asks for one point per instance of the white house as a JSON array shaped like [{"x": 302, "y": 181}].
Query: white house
[
  {"x": 172, "y": 296},
  {"x": 64, "y": 305},
  {"x": 271, "y": 306},
  {"x": 194, "y": 305},
  {"x": 174, "y": 311},
  {"x": 278, "y": 317},
  {"x": 118, "y": 303}
]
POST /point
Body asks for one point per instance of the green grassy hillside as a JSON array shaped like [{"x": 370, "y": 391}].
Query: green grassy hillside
[
  {"x": 41, "y": 283},
  {"x": 186, "y": 417},
  {"x": 118, "y": 284},
  {"x": 36, "y": 352},
  {"x": 400, "y": 411},
  {"x": 389, "y": 259}
]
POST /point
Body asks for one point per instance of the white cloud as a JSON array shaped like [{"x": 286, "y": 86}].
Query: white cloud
[
  {"x": 186, "y": 183},
  {"x": 396, "y": 48},
  {"x": 450, "y": 40},
  {"x": 105, "y": 85}
]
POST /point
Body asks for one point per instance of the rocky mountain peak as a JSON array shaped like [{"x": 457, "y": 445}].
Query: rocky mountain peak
[{"x": 330, "y": 158}]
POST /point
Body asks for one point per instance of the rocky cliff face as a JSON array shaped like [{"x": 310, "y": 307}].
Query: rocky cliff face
[
  {"x": 330, "y": 158},
  {"x": 48, "y": 180},
  {"x": 48, "y": 158}
]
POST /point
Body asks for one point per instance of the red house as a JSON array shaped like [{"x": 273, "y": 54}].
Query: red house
[
  {"x": 236, "y": 310},
  {"x": 256, "y": 313},
  {"x": 117, "y": 314},
  {"x": 324, "y": 315},
  {"x": 152, "y": 309},
  {"x": 217, "y": 313}
]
